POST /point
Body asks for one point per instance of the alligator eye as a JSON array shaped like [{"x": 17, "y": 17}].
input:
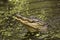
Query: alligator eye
[{"x": 35, "y": 20}]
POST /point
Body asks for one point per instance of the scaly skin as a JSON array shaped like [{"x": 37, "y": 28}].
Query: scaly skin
[{"x": 32, "y": 25}]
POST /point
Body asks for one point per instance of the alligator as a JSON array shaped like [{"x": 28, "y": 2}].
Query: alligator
[{"x": 33, "y": 25}]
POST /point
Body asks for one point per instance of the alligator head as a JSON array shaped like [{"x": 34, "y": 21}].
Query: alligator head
[{"x": 32, "y": 23}]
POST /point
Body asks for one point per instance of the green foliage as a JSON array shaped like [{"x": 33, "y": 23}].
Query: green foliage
[{"x": 11, "y": 29}]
